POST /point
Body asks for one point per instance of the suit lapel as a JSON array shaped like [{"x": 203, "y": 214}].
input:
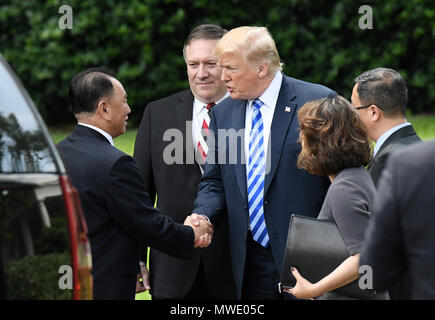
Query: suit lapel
[
  {"x": 184, "y": 114},
  {"x": 399, "y": 134},
  {"x": 282, "y": 117},
  {"x": 238, "y": 122}
]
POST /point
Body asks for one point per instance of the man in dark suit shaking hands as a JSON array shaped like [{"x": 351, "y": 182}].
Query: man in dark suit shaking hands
[
  {"x": 207, "y": 274},
  {"x": 251, "y": 168},
  {"x": 120, "y": 217}
]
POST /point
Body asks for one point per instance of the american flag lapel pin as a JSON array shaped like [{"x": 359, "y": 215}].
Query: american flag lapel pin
[{"x": 288, "y": 109}]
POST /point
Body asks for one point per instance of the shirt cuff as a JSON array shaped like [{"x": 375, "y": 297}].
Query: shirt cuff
[{"x": 202, "y": 215}]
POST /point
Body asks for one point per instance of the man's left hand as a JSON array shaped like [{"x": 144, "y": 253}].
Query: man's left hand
[{"x": 143, "y": 285}]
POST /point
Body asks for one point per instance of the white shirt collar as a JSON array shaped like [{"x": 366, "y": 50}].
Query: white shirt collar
[
  {"x": 385, "y": 136},
  {"x": 104, "y": 133},
  {"x": 270, "y": 96},
  {"x": 198, "y": 105}
]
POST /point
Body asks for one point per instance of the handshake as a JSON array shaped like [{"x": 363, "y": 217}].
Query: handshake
[{"x": 202, "y": 228}]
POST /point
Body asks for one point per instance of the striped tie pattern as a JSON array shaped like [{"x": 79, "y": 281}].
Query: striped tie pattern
[
  {"x": 256, "y": 172},
  {"x": 202, "y": 148}
]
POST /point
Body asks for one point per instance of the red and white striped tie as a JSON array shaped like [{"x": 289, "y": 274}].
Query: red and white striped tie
[{"x": 202, "y": 147}]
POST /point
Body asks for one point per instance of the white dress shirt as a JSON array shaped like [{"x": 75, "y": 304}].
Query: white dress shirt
[
  {"x": 269, "y": 97},
  {"x": 104, "y": 133},
  {"x": 385, "y": 136},
  {"x": 199, "y": 113}
]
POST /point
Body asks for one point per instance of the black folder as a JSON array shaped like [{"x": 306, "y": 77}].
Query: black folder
[{"x": 315, "y": 247}]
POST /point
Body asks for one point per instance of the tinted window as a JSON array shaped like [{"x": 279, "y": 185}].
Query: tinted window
[
  {"x": 34, "y": 239},
  {"x": 22, "y": 145}
]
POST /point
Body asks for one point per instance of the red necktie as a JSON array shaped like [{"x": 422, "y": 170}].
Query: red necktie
[{"x": 202, "y": 145}]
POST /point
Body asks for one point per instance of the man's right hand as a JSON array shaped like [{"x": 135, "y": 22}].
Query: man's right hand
[{"x": 202, "y": 228}]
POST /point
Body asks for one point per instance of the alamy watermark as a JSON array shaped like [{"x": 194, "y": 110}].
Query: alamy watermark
[
  {"x": 366, "y": 279},
  {"x": 366, "y": 20},
  {"x": 66, "y": 20},
  {"x": 66, "y": 278},
  {"x": 227, "y": 146}
]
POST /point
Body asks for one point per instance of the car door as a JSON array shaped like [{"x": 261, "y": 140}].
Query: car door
[{"x": 44, "y": 251}]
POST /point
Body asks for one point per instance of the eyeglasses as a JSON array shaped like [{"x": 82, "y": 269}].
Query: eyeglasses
[
  {"x": 363, "y": 107},
  {"x": 369, "y": 105}
]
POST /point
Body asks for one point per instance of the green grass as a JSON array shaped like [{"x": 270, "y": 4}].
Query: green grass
[
  {"x": 424, "y": 125},
  {"x": 143, "y": 296}
]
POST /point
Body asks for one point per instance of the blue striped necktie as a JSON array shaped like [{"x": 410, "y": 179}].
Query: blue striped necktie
[{"x": 256, "y": 171}]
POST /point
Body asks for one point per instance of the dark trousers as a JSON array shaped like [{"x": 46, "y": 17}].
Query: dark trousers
[
  {"x": 261, "y": 276},
  {"x": 122, "y": 287},
  {"x": 200, "y": 289}
]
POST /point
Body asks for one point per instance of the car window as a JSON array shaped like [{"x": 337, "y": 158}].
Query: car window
[
  {"x": 34, "y": 240},
  {"x": 23, "y": 148}
]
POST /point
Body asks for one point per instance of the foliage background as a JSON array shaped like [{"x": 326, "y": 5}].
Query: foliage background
[{"x": 141, "y": 41}]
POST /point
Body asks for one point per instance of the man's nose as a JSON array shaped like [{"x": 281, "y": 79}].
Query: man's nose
[
  {"x": 202, "y": 71},
  {"x": 224, "y": 75}
]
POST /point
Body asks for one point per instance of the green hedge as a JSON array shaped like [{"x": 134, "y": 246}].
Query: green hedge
[
  {"x": 141, "y": 42},
  {"x": 37, "y": 278}
]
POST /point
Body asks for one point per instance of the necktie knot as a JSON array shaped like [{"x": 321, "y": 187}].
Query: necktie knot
[
  {"x": 209, "y": 106},
  {"x": 257, "y": 103}
]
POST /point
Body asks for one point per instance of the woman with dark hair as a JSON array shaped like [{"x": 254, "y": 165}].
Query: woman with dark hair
[{"x": 335, "y": 144}]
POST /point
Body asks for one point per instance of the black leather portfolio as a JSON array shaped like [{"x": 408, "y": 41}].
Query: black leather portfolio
[{"x": 315, "y": 247}]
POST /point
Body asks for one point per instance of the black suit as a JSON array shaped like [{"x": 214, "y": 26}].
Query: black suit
[
  {"x": 176, "y": 187},
  {"x": 400, "y": 238},
  {"x": 400, "y": 138},
  {"x": 120, "y": 218}
]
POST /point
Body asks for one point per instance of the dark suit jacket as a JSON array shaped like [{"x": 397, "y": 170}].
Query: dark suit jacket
[
  {"x": 400, "y": 138},
  {"x": 400, "y": 238},
  {"x": 120, "y": 218},
  {"x": 176, "y": 186},
  {"x": 287, "y": 190}
]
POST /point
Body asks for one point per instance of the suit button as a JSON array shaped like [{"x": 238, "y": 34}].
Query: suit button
[{"x": 246, "y": 207}]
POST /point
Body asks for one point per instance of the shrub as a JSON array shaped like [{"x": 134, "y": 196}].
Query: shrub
[
  {"x": 141, "y": 41},
  {"x": 37, "y": 278}
]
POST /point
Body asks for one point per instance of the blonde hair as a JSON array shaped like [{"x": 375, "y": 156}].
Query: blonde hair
[{"x": 255, "y": 42}]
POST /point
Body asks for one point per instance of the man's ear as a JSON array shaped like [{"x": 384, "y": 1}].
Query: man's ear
[
  {"x": 263, "y": 69},
  {"x": 104, "y": 110},
  {"x": 375, "y": 112}
]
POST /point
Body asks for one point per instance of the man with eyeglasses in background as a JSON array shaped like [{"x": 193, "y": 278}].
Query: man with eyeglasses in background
[{"x": 381, "y": 97}]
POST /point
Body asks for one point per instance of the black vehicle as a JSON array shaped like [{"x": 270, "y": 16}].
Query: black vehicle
[{"x": 44, "y": 251}]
